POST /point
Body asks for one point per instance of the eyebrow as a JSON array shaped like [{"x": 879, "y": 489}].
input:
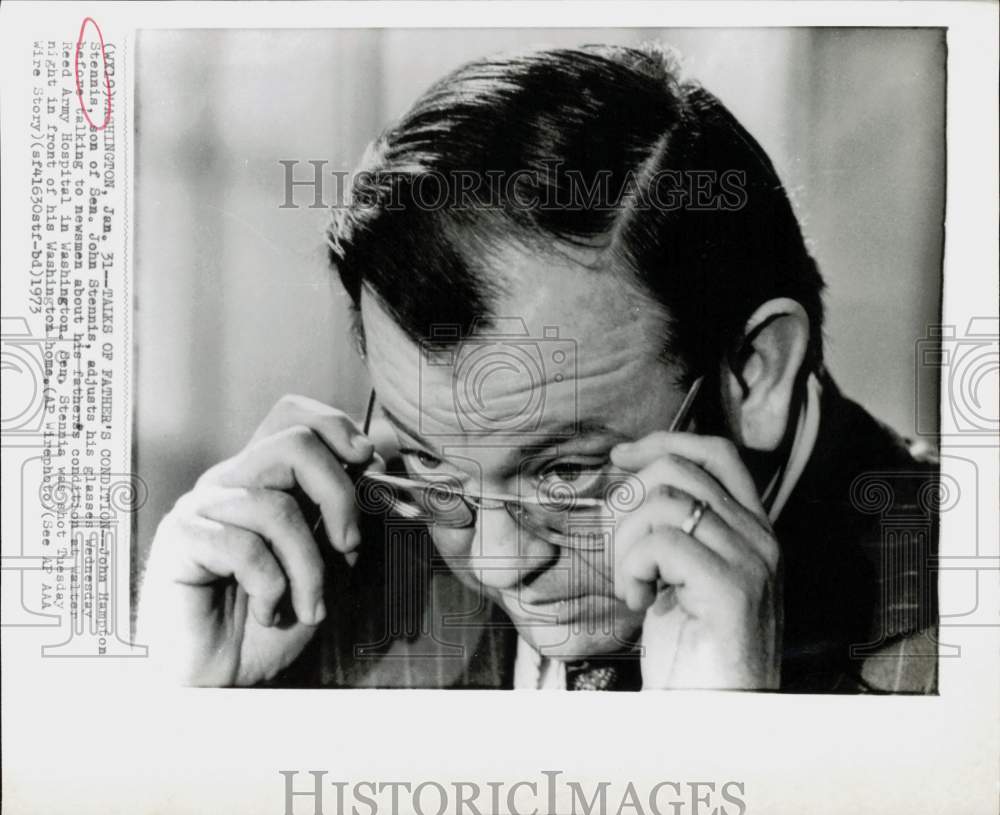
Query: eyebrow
[{"x": 563, "y": 434}]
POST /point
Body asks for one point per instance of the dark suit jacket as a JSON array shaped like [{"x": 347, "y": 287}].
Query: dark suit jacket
[{"x": 858, "y": 538}]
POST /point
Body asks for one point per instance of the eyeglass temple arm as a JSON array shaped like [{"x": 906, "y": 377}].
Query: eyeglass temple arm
[
  {"x": 682, "y": 412},
  {"x": 369, "y": 412}
]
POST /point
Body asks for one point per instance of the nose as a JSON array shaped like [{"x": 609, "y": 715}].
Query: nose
[{"x": 504, "y": 554}]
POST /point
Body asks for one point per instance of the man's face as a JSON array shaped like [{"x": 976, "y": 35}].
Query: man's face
[{"x": 507, "y": 416}]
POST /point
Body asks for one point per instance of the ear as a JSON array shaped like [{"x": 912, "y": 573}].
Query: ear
[{"x": 760, "y": 386}]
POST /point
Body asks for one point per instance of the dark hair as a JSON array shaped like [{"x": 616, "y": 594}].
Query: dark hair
[{"x": 612, "y": 127}]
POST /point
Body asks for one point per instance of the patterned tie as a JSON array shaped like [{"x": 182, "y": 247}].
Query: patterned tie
[{"x": 619, "y": 672}]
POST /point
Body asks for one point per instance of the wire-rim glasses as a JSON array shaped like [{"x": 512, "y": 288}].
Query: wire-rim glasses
[{"x": 556, "y": 514}]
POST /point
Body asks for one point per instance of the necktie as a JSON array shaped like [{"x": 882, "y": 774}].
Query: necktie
[{"x": 619, "y": 672}]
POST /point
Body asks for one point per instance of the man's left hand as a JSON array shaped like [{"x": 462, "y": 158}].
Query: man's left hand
[{"x": 712, "y": 597}]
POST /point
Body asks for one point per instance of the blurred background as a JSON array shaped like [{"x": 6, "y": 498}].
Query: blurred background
[{"x": 235, "y": 305}]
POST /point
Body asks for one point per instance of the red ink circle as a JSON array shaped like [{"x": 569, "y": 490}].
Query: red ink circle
[{"x": 107, "y": 78}]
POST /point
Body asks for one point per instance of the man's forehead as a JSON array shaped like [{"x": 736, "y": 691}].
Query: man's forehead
[
  {"x": 502, "y": 381},
  {"x": 567, "y": 337},
  {"x": 578, "y": 290},
  {"x": 563, "y": 295}
]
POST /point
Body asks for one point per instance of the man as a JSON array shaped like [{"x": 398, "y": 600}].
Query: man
[{"x": 617, "y": 461}]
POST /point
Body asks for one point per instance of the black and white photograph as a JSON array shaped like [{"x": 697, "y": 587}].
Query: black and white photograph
[
  {"x": 594, "y": 376},
  {"x": 376, "y": 372}
]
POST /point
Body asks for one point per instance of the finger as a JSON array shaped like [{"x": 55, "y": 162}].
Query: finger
[
  {"x": 337, "y": 430},
  {"x": 682, "y": 474},
  {"x": 277, "y": 518},
  {"x": 718, "y": 456},
  {"x": 297, "y": 457},
  {"x": 207, "y": 550},
  {"x": 666, "y": 506},
  {"x": 696, "y": 573}
]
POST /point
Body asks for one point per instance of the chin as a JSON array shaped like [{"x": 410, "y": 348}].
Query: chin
[{"x": 614, "y": 628}]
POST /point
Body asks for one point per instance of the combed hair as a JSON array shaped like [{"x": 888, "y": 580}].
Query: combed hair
[{"x": 614, "y": 119}]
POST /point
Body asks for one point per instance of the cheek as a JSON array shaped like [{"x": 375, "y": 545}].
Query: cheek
[
  {"x": 596, "y": 569},
  {"x": 454, "y": 546},
  {"x": 452, "y": 543}
]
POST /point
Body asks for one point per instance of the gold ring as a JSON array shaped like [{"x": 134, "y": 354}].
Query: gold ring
[{"x": 692, "y": 520}]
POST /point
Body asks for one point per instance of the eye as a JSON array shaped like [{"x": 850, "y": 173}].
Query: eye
[
  {"x": 564, "y": 471},
  {"x": 580, "y": 475},
  {"x": 419, "y": 460}
]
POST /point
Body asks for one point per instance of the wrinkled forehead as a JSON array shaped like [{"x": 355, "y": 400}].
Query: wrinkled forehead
[
  {"x": 565, "y": 338},
  {"x": 501, "y": 380}
]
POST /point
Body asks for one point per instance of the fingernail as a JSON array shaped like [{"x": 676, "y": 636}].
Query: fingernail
[
  {"x": 275, "y": 618},
  {"x": 351, "y": 557},
  {"x": 319, "y": 612}
]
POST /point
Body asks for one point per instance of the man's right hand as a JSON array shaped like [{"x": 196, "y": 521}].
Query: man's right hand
[{"x": 235, "y": 547}]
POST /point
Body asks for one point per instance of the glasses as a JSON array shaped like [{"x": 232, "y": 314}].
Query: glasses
[{"x": 555, "y": 512}]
